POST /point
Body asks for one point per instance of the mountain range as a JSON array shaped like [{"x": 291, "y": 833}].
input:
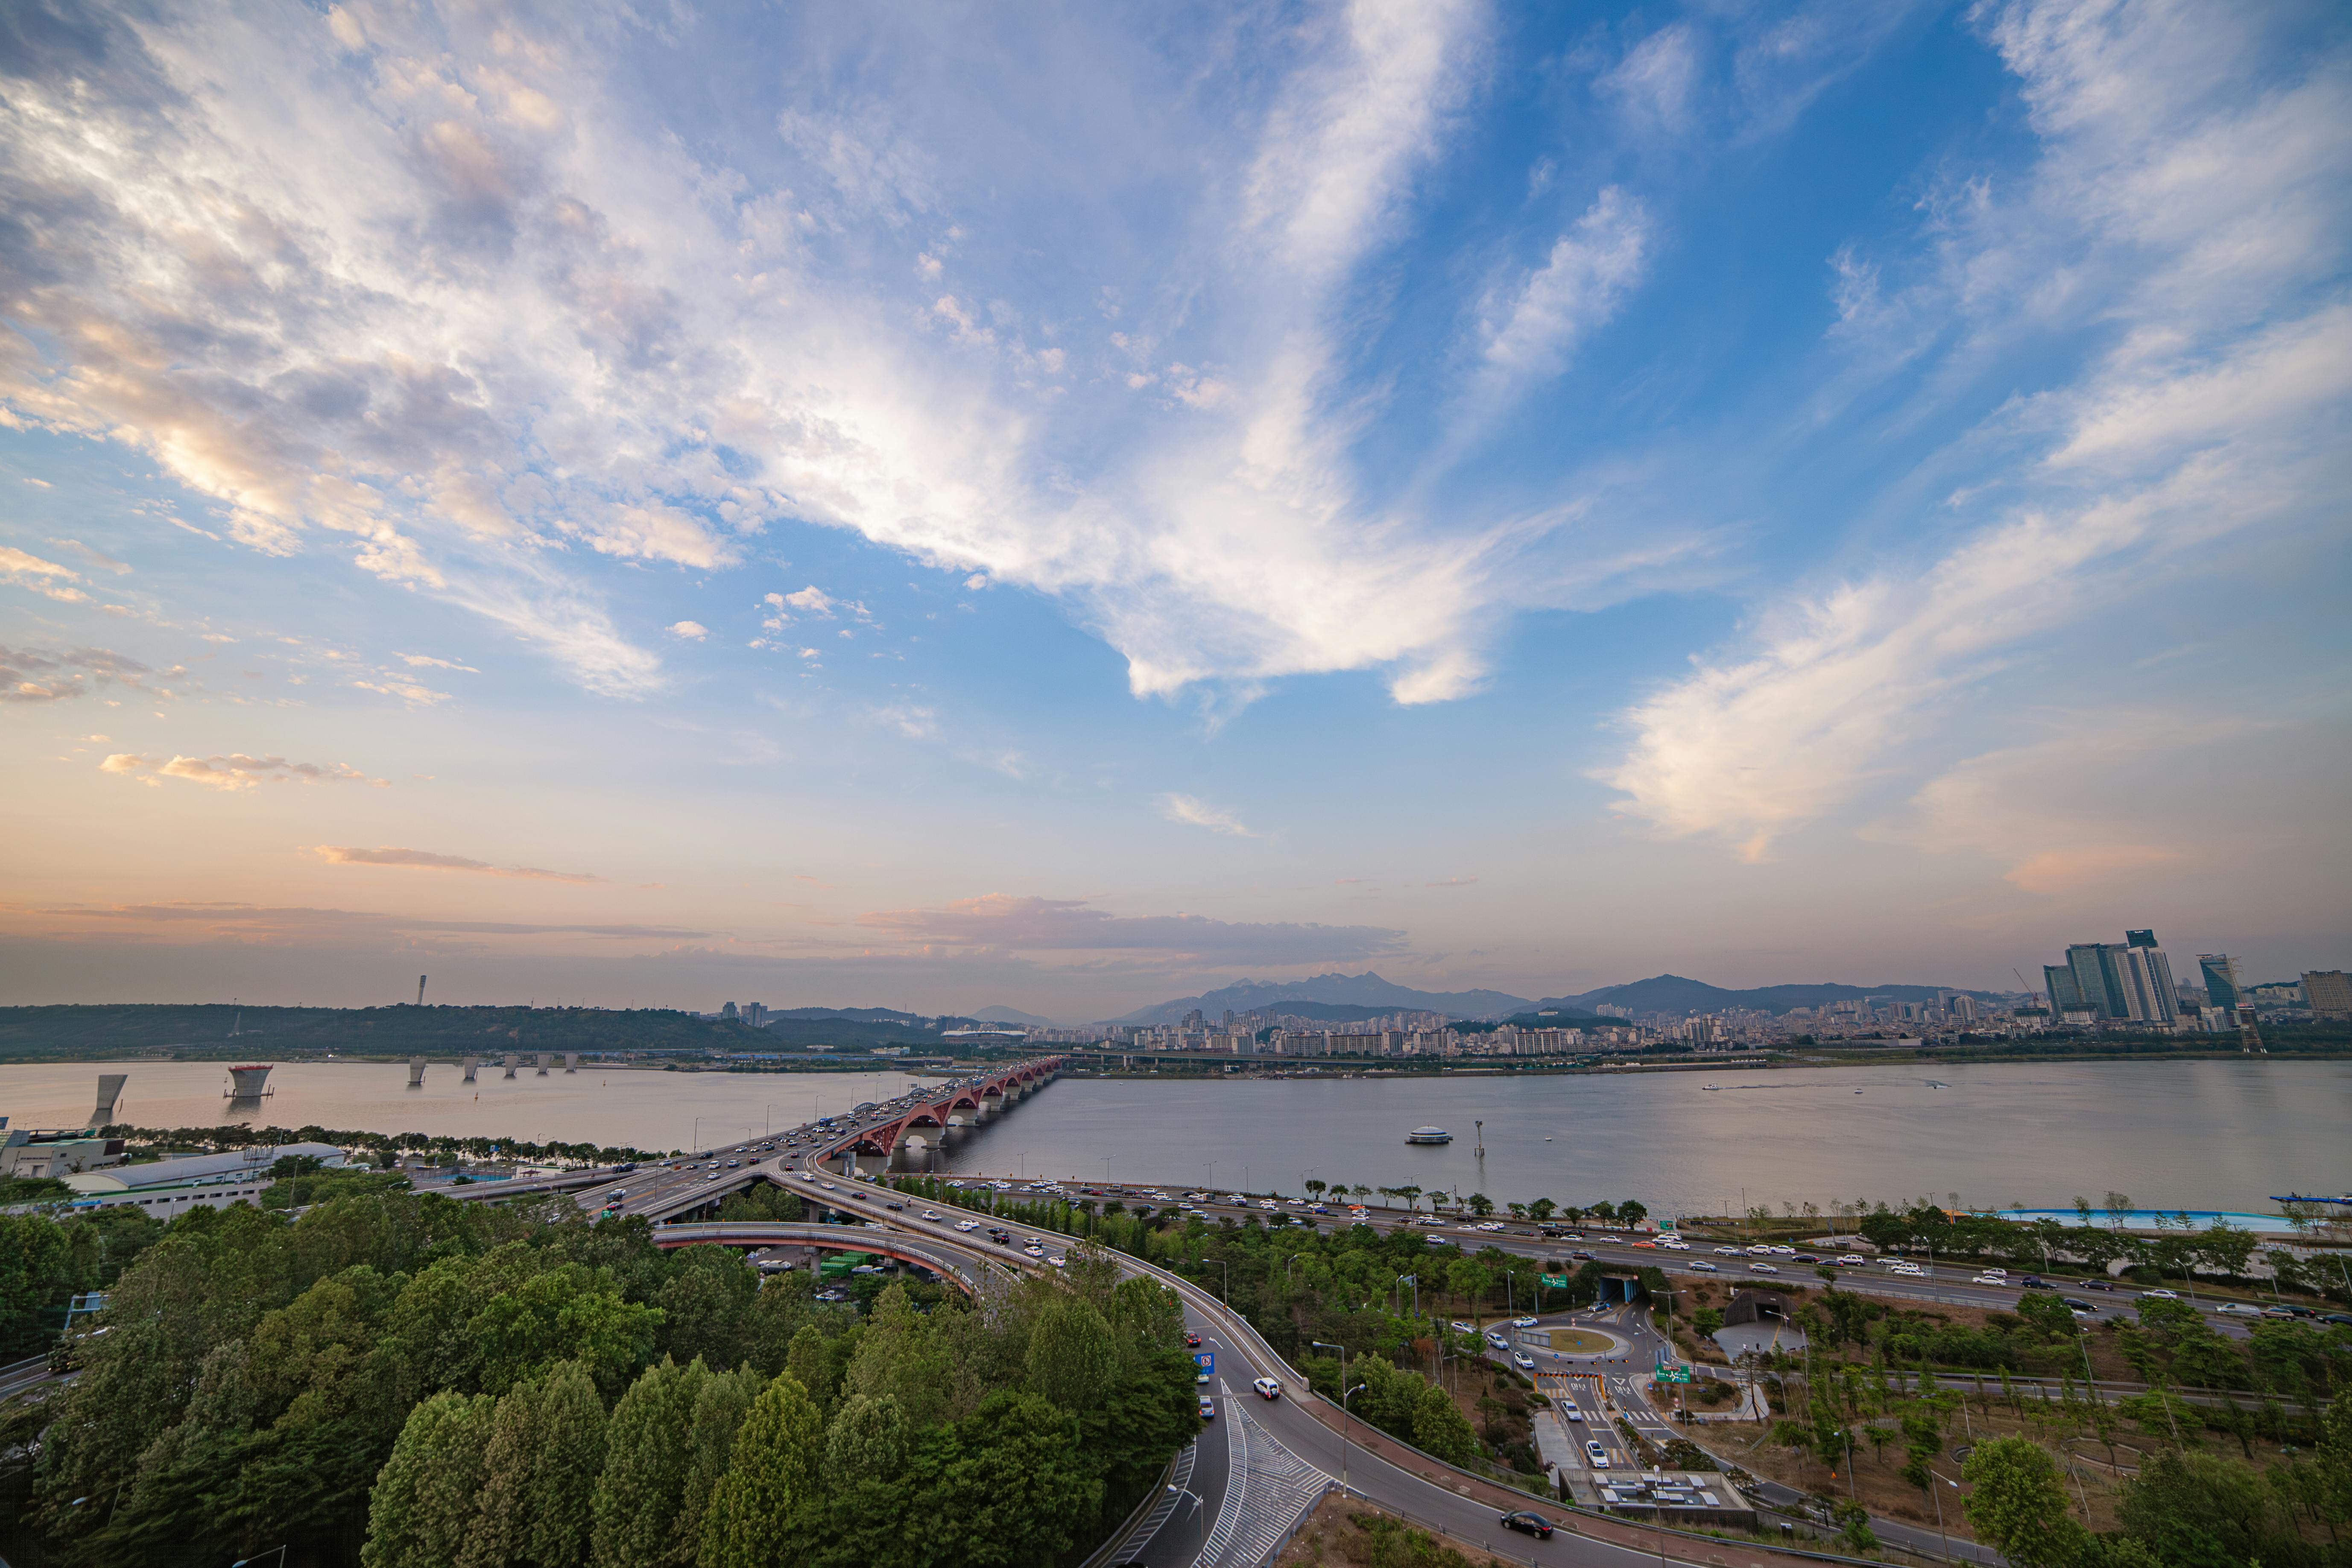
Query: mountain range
[
  {"x": 1674, "y": 993},
  {"x": 1367, "y": 990}
]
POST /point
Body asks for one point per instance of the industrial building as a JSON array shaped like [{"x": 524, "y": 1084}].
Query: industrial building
[{"x": 168, "y": 1187}]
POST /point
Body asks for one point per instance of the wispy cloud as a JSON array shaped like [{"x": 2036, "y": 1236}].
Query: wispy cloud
[
  {"x": 234, "y": 771},
  {"x": 1196, "y": 813},
  {"x": 426, "y": 860},
  {"x": 30, "y": 675},
  {"x": 1002, "y": 922},
  {"x": 44, "y": 577}
]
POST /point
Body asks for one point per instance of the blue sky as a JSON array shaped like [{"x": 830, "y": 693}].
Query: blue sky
[{"x": 940, "y": 505}]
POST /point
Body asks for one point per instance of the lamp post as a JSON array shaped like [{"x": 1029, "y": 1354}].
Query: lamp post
[
  {"x": 1186, "y": 1491},
  {"x": 1286, "y": 1267},
  {"x": 1345, "y": 1394},
  {"x": 1224, "y": 1291},
  {"x": 279, "y": 1550}
]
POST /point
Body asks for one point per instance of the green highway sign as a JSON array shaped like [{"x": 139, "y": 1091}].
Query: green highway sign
[
  {"x": 1673, "y": 1375},
  {"x": 1555, "y": 1281}
]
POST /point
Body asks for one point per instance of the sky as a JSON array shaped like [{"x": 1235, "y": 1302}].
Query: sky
[{"x": 1065, "y": 506}]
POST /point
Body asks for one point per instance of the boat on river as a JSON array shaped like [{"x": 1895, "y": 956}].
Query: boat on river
[{"x": 1429, "y": 1135}]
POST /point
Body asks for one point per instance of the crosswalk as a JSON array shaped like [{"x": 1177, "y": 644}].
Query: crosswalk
[{"x": 1271, "y": 1489}]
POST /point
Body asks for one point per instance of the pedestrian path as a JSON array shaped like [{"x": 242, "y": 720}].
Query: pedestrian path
[{"x": 1271, "y": 1491}]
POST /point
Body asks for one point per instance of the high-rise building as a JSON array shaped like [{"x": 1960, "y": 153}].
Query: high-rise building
[
  {"x": 2328, "y": 991},
  {"x": 2221, "y": 986},
  {"x": 2129, "y": 981},
  {"x": 2058, "y": 980}
]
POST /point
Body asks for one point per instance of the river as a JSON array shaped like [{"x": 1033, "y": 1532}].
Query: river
[{"x": 2210, "y": 1134}]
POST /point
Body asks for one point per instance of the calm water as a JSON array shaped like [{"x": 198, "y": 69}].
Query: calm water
[
  {"x": 645, "y": 1110},
  {"x": 2197, "y": 1135},
  {"x": 2202, "y": 1135}
]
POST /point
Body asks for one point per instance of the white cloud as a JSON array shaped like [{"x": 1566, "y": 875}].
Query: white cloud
[
  {"x": 687, "y": 631},
  {"x": 30, "y": 675},
  {"x": 1526, "y": 334},
  {"x": 426, "y": 860},
  {"x": 426, "y": 661},
  {"x": 914, "y": 723},
  {"x": 1196, "y": 813},
  {"x": 1654, "y": 83},
  {"x": 234, "y": 772},
  {"x": 2181, "y": 205},
  {"x": 44, "y": 577}
]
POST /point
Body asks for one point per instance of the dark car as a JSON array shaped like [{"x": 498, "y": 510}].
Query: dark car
[
  {"x": 2097, "y": 1285},
  {"x": 2035, "y": 1282},
  {"x": 2344, "y": 1319},
  {"x": 1191, "y": 1341},
  {"x": 1805, "y": 1257},
  {"x": 625, "y": 1167},
  {"x": 1581, "y": 1256},
  {"x": 1535, "y": 1524},
  {"x": 893, "y": 1206}
]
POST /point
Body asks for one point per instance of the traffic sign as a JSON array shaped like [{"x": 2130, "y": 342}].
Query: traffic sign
[
  {"x": 1664, "y": 1373},
  {"x": 1206, "y": 1360},
  {"x": 1555, "y": 1281}
]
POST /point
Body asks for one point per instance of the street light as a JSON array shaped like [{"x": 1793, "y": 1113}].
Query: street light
[
  {"x": 1286, "y": 1267},
  {"x": 1185, "y": 1491},
  {"x": 1346, "y": 1394},
  {"x": 280, "y": 1551}
]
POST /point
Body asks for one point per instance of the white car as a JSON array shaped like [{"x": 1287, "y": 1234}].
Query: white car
[
  {"x": 1268, "y": 1388},
  {"x": 1569, "y": 1410},
  {"x": 1523, "y": 1322},
  {"x": 2239, "y": 1309},
  {"x": 1596, "y": 1455},
  {"x": 1704, "y": 1267},
  {"x": 1497, "y": 1341},
  {"x": 1989, "y": 1279},
  {"x": 1727, "y": 1252},
  {"x": 1523, "y": 1360},
  {"x": 1759, "y": 1250},
  {"x": 1763, "y": 1268},
  {"x": 1459, "y": 1327},
  {"x": 930, "y": 1213},
  {"x": 1490, "y": 1224},
  {"x": 2161, "y": 1295},
  {"x": 1056, "y": 1261},
  {"x": 1034, "y": 1251},
  {"x": 967, "y": 1224}
]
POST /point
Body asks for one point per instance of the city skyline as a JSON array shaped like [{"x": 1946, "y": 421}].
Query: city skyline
[{"x": 1067, "y": 509}]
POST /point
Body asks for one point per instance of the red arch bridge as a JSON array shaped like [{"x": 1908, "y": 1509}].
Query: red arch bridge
[{"x": 968, "y": 1103}]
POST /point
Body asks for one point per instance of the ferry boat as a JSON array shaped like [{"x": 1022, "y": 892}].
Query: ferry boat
[{"x": 1429, "y": 1135}]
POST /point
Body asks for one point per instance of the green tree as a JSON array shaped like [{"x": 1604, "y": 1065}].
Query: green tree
[
  {"x": 774, "y": 1470},
  {"x": 565, "y": 1468},
  {"x": 1541, "y": 1210},
  {"x": 2018, "y": 1504},
  {"x": 866, "y": 1441},
  {"x": 2204, "y": 1508},
  {"x": 1439, "y": 1427},
  {"x": 647, "y": 1454},
  {"x": 1071, "y": 1359},
  {"x": 425, "y": 1503},
  {"x": 1630, "y": 1213},
  {"x": 1012, "y": 1477},
  {"x": 499, "y": 1536},
  {"x": 705, "y": 1307},
  {"x": 720, "y": 1411},
  {"x": 1480, "y": 1204},
  {"x": 809, "y": 1360}
]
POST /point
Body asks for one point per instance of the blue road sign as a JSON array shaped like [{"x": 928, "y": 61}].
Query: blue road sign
[{"x": 1206, "y": 1360}]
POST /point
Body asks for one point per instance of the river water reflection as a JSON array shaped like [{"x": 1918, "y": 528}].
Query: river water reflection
[{"x": 2192, "y": 1134}]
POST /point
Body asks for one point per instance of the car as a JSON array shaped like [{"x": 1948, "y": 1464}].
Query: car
[
  {"x": 2280, "y": 1312},
  {"x": 930, "y": 1213},
  {"x": 1034, "y": 1251},
  {"x": 895, "y": 1207},
  {"x": 1596, "y": 1455},
  {"x": 1652, "y": 1245},
  {"x": 967, "y": 1224},
  {"x": 2071, "y": 1302},
  {"x": 1529, "y": 1522},
  {"x": 1850, "y": 1260},
  {"x": 1208, "y": 1408},
  {"x": 1988, "y": 1279},
  {"x": 1201, "y": 1376},
  {"x": 1760, "y": 1251},
  {"x": 2035, "y": 1282},
  {"x": 2340, "y": 1319},
  {"x": 1056, "y": 1261},
  {"x": 1523, "y": 1360},
  {"x": 1268, "y": 1388},
  {"x": 1729, "y": 1251},
  {"x": 1523, "y": 1322},
  {"x": 714, "y": 1176},
  {"x": 2160, "y": 1295},
  {"x": 1191, "y": 1341},
  {"x": 1571, "y": 1411},
  {"x": 1704, "y": 1267},
  {"x": 2099, "y": 1285},
  {"x": 1459, "y": 1327},
  {"x": 1570, "y": 1235},
  {"x": 1580, "y": 1256},
  {"x": 1762, "y": 1269},
  {"x": 2239, "y": 1309},
  {"x": 1497, "y": 1341}
]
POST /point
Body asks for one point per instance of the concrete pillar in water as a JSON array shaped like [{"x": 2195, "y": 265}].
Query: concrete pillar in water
[
  {"x": 512, "y": 1062},
  {"x": 471, "y": 1063},
  {"x": 248, "y": 1083},
  {"x": 543, "y": 1060},
  {"x": 417, "y": 1072},
  {"x": 571, "y": 1061},
  {"x": 110, "y": 1089}
]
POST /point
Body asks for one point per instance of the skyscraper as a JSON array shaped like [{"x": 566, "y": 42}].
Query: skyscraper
[
  {"x": 2220, "y": 978},
  {"x": 2129, "y": 981}
]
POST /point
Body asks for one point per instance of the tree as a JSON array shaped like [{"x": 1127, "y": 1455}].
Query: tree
[
  {"x": 425, "y": 1500},
  {"x": 1010, "y": 1477},
  {"x": 1315, "y": 1188},
  {"x": 1070, "y": 1359},
  {"x": 720, "y": 1410},
  {"x": 2018, "y": 1504},
  {"x": 565, "y": 1469},
  {"x": 499, "y": 1536},
  {"x": 774, "y": 1469},
  {"x": 1631, "y": 1214},
  {"x": 866, "y": 1441},
  {"x": 645, "y": 1458},
  {"x": 1439, "y": 1427},
  {"x": 1480, "y": 1204},
  {"x": 1541, "y": 1210}
]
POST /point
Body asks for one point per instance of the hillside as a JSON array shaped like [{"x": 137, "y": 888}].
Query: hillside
[
  {"x": 1367, "y": 991},
  {"x": 1676, "y": 993}
]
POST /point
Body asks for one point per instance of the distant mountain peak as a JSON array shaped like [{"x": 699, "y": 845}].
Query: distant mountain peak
[
  {"x": 1001, "y": 1014},
  {"x": 1365, "y": 990}
]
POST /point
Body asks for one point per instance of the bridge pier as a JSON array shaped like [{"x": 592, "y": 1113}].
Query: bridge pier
[
  {"x": 512, "y": 1063},
  {"x": 471, "y": 1064},
  {"x": 417, "y": 1072},
  {"x": 543, "y": 1060}
]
